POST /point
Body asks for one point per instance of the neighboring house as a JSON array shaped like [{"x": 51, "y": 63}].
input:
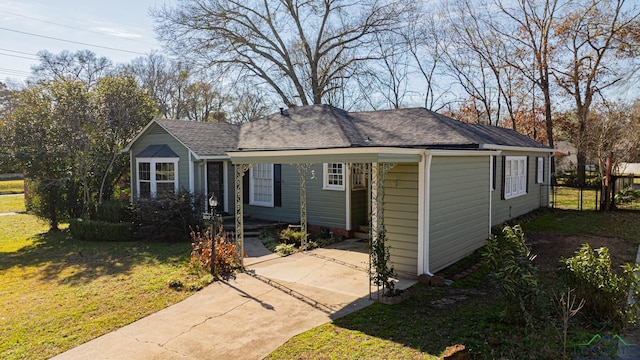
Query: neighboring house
[
  {"x": 565, "y": 157},
  {"x": 625, "y": 168},
  {"x": 435, "y": 185}
]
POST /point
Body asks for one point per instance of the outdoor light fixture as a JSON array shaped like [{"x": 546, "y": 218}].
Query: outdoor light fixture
[{"x": 213, "y": 201}]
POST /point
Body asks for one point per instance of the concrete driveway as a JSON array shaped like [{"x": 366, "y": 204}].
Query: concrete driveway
[{"x": 250, "y": 316}]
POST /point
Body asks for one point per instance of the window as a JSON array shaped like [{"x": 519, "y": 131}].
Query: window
[
  {"x": 156, "y": 177},
  {"x": 333, "y": 176},
  {"x": 261, "y": 185},
  {"x": 515, "y": 176},
  {"x": 540, "y": 170},
  {"x": 358, "y": 177}
]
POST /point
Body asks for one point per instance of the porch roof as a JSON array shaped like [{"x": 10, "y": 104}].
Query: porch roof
[{"x": 344, "y": 155}]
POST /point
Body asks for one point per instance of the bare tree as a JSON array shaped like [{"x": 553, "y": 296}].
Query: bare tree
[
  {"x": 297, "y": 48},
  {"x": 473, "y": 55},
  {"x": 424, "y": 39},
  {"x": 532, "y": 39},
  {"x": 83, "y": 65},
  {"x": 595, "y": 35}
]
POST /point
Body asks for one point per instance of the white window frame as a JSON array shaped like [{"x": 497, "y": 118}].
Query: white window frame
[
  {"x": 327, "y": 183},
  {"x": 253, "y": 183},
  {"x": 152, "y": 177},
  {"x": 540, "y": 170},
  {"x": 358, "y": 178},
  {"x": 515, "y": 176}
]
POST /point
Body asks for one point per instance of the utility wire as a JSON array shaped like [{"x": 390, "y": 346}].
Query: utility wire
[
  {"x": 19, "y": 52},
  {"x": 71, "y": 41},
  {"x": 76, "y": 28},
  {"x": 18, "y": 56}
]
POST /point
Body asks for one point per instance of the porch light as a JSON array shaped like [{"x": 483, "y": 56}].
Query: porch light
[{"x": 213, "y": 201}]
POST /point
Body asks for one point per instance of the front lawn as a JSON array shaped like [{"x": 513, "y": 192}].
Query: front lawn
[
  {"x": 57, "y": 293},
  {"x": 469, "y": 311},
  {"x": 12, "y": 203},
  {"x": 11, "y": 186}
]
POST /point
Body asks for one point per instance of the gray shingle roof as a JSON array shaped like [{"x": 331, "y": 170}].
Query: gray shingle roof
[
  {"x": 203, "y": 138},
  {"x": 323, "y": 126}
]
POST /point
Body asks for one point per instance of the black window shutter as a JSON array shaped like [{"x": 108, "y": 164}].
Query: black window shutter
[
  {"x": 245, "y": 187},
  {"x": 494, "y": 169},
  {"x": 527, "y": 175},
  {"x": 504, "y": 161},
  {"x": 277, "y": 184}
]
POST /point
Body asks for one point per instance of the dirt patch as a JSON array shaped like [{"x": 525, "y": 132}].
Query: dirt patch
[{"x": 550, "y": 248}]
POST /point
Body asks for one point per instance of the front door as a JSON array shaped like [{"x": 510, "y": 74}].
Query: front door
[{"x": 215, "y": 183}]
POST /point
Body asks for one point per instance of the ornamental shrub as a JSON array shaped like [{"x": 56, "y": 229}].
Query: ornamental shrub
[
  {"x": 291, "y": 236},
  {"x": 512, "y": 266},
  {"x": 166, "y": 219},
  {"x": 226, "y": 260},
  {"x": 110, "y": 211},
  {"x": 96, "y": 230},
  {"x": 589, "y": 272}
]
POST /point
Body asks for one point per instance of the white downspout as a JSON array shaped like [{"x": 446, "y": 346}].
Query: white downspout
[{"x": 424, "y": 194}]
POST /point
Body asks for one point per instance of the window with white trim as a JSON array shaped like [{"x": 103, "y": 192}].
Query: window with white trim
[
  {"x": 334, "y": 178},
  {"x": 540, "y": 170},
  {"x": 358, "y": 177},
  {"x": 515, "y": 176},
  {"x": 261, "y": 185},
  {"x": 156, "y": 177}
]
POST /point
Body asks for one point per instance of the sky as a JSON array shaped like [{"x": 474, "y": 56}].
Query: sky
[{"x": 119, "y": 30}]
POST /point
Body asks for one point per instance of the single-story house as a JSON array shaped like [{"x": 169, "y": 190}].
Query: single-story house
[{"x": 436, "y": 186}]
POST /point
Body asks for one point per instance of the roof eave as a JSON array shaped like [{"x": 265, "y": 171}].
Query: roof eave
[{"x": 515, "y": 148}]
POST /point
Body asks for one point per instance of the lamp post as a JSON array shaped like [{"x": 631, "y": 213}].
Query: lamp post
[{"x": 213, "y": 203}]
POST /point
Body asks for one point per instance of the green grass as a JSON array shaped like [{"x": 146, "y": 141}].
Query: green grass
[
  {"x": 12, "y": 203},
  {"x": 11, "y": 186},
  {"x": 468, "y": 312},
  {"x": 569, "y": 198},
  {"x": 620, "y": 224},
  {"x": 57, "y": 293}
]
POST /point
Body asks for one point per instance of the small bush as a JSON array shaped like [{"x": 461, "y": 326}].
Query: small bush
[
  {"x": 226, "y": 253},
  {"x": 512, "y": 264},
  {"x": 95, "y": 230},
  {"x": 167, "y": 219},
  {"x": 589, "y": 273},
  {"x": 285, "y": 249},
  {"x": 291, "y": 236},
  {"x": 111, "y": 211},
  {"x": 627, "y": 195}
]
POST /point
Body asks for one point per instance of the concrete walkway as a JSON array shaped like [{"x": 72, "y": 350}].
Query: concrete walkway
[{"x": 250, "y": 316}]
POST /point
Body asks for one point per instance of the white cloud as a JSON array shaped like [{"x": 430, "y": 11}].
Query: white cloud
[{"x": 118, "y": 32}]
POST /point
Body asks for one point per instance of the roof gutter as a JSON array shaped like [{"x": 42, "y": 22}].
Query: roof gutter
[{"x": 515, "y": 148}]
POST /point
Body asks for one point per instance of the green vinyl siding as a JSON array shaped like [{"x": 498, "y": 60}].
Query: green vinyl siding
[
  {"x": 536, "y": 196},
  {"x": 359, "y": 208},
  {"x": 401, "y": 216},
  {"x": 155, "y": 135},
  {"x": 325, "y": 208},
  {"x": 458, "y": 208},
  {"x": 289, "y": 212}
]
